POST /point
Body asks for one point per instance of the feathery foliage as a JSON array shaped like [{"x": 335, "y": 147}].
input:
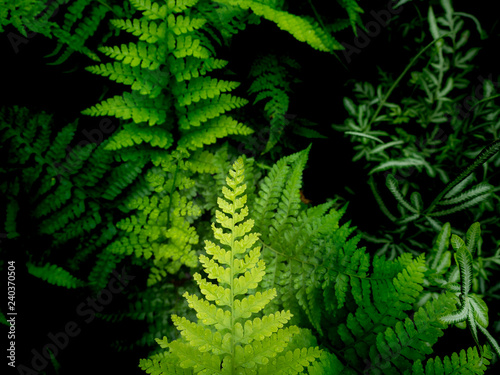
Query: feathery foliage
[
  {"x": 171, "y": 93},
  {"x": 272, "y": 81},
  {"x": 60, "y": 192},
  {"x": 81, "y": 20},
  {"x": 303, "y": 29},
  {"x": 225, "y": 340}
]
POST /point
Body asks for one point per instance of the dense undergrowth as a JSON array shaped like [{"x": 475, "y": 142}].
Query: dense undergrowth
[{"x": 193, "y": 120}]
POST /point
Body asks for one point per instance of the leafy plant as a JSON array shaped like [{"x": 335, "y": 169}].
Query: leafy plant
[
  {"x": 225, "y": 340},
  {"x": 148, "y": 197}
]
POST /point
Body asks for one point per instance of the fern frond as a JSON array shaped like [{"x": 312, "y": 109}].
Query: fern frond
[
  {"x": 225, "y": 340},
  {"x": 54, "y": 275},
  {"x": 148, "y": 31},
  {"x": 72, "y": 35},
  {"x": 160, "y": 228},
  {"x": 198, "y": 113},
  {"x": 465, "y": 362},
  {"x": 105, "y": 264},
  {"x": 132, "y": 106},
  {"x": 391, "y": 299},
  {"x": 81, "y": 33},
  {"x": 327, "y": 364},
  {"x": 288, "y": 207},
  {"x": 483, "y": 156},
  {"x": 272, "y": 82},
  {"x": 170, "y": 45},
  {"x": 211, "y": 130},
  {"x": 479, "y": 189},
  {"x": 62, "y": 188},
  {"x": 145, "y": 55},
  {"x": 227, "y": 19},
  {"x": 184, "y": 69},
  {"x": 10, "y": 219},
  {"x": 202, "y": 88},
  {"x": 146, "y": 82},
  {"x": 408, "y": 341},
  {"x": 183, "y": 24},
  {"x": 353, "y": 11},
  {"x": 312, "y": 260},
  {"x": 392, "y": 185},
  {"x": 134, "y": 134},
  {"x": 302, "y": 28}
]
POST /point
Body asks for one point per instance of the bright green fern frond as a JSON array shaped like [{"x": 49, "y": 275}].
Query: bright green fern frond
[
  {"x": 145, "y": 81},
  {"x": 302, "y": 28},
  {"x": 134, "y": 134},
  {"x": 189, "y": 67},
  {"x": 132, "y": 106},
  {"x": 151, "y": 32},
  {"x": 184, "y": 24},
  {"x": 154, "y": 11},
  {"x": 198, "y": 113},
  {"x": 159, "y": 227},
  {"x": 211, "y": 130},
  {"x": 202, "y": 88},
  {"x": 142, "y": 54},
  {"x": 171, "y": 45},
  {"x": 225, "y": 340}
]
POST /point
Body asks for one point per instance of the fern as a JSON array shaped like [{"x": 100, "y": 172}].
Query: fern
[
  {"x": 353, "y": 11},
  {"x": 296, "y": 243},
  {"x": 449, "y": 196},
  {"x": 226, "y": 19},
  {"x": 466, "y": 362},
  {"x": 302, "y": 28},
  {"x": 272, "y": 82},
  {"x": 225, "y": 340},
  {"x": 60, "y": 193},
  {"x": 54, "y": 275},
  {"x": 72, "y": 35},
  {"x": 166, "y": 70},
  {"x": 472, "y": 308},
  {"x": 159, "y": 226}
]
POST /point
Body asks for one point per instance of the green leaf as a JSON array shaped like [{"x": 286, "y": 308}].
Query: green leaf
[
  {"x": 464, "y": 261},
  {"x": 479, "y": 309}
]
